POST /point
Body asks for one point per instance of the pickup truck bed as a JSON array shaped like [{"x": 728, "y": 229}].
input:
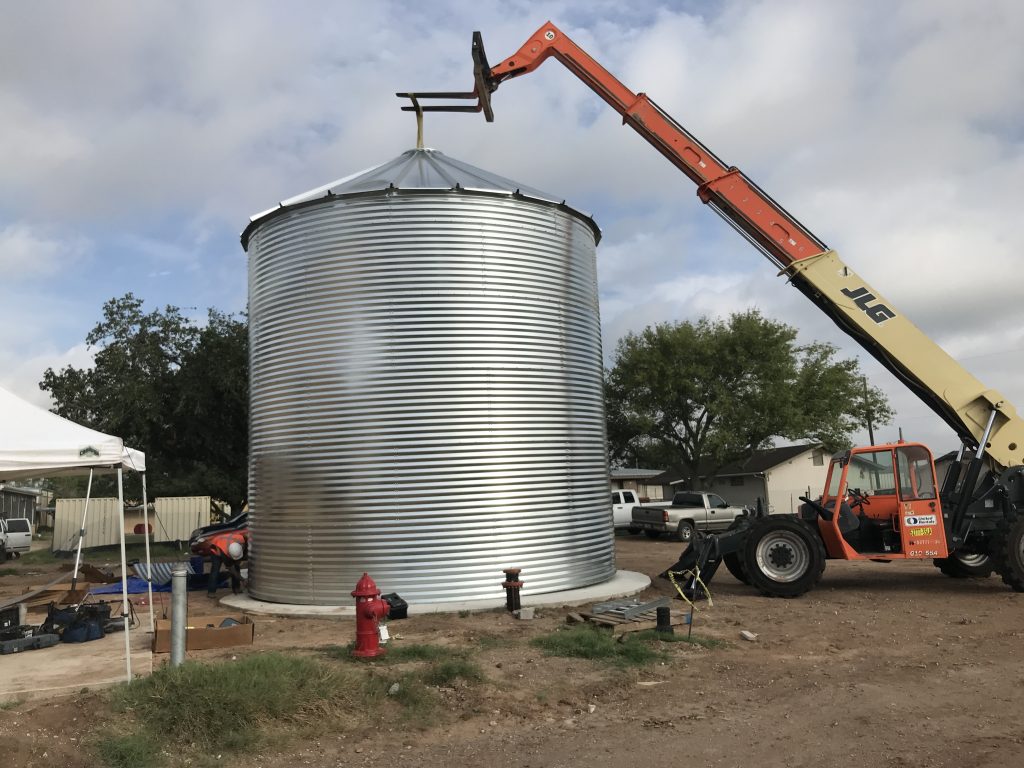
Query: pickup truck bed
[{"x": 690, "y": 511}]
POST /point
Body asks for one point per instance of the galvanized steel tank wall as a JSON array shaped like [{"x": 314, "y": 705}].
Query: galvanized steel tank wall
[{"x": 426, "y": 392}]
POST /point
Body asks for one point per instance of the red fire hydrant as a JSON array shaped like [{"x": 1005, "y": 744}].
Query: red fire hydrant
[{"x": 370, "y": 610}]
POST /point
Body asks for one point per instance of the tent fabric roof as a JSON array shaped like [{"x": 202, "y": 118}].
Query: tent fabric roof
[{"x": 35, "y": 442}]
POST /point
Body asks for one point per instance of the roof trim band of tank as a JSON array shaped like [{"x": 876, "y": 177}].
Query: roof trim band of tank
[{"x": 393, "y": 191}]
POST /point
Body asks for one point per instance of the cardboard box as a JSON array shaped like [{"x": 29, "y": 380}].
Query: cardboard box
[{"x": 204, "y": 632}]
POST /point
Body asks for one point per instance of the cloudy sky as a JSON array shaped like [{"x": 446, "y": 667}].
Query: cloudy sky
[{"x": 138, "y": 137}]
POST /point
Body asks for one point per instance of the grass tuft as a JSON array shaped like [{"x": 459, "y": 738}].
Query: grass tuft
[
  {"x": 418, "y": 704},
  {"x": 432, "y": 666},
  {"x": 397, "y": 653},
  {"x": 651, "y": 635},
  {"x": 222, "y": 705},
  {"x": 586, "y": 642},
  {"x": 136, "y": 750},
  {"x": 447, "y": 672}
]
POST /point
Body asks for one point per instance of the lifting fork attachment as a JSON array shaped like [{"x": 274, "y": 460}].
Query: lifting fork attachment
[{"x": 485, "y": 85}]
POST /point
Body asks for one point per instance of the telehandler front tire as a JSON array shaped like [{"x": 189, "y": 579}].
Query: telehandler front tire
[
  {"x": 1007, "y": 549},
  {"x": 783, "y": 556}
]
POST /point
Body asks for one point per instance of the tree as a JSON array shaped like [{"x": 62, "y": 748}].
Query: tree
[
  {"x": 711, "y": 392},
  {"x": 175, "y": 390}
]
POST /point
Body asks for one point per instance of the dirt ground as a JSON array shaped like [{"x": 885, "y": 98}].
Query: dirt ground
[{"x": 882, "y": 665}]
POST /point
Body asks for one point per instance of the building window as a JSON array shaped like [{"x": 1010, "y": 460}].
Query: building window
[
  {"x": 735, "y": 481},
  {"x": 818, "y": 458}
]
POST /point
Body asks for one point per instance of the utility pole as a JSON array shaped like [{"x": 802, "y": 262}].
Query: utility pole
[{"x": 867, "y": 411}]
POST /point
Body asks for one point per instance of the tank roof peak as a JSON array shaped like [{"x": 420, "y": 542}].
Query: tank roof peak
[{"x": 415, "y": 169}]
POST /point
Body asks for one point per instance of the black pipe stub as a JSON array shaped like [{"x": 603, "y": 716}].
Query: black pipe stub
[
  {"x": 664, "y": 624},
  {"x": 512, "y": 585}
]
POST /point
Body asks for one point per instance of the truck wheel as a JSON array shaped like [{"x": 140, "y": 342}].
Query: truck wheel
[
  {"x": 734, "y": 563},
  {"x": 685, "y": 531},
  {"x": 633, "y": 530},
  {"x": 1007, "y": 550},
  {"x": 652, "y": 534},
  {"x": 783, "y": 557},
  {"x": 964, "y": 565}
]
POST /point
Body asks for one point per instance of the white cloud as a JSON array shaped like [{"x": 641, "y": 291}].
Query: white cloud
[
  {"x": 892, "y": 130},
  {"x": 25, "y": 252},
  {"x": 22, "y": 374}
]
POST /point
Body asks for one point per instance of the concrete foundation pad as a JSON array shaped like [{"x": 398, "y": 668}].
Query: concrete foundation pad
[
  {"x": 622, "y": 584},
  {"x": 67, "y": 668}
]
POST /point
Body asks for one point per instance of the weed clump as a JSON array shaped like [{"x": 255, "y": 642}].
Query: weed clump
[
  {"x": 447, "y": 672},
  {"x": 586, "y": 642},
  {"x": 222, "y": 705},
  {"x": 396, "y": 653},
  {"x": 134, "y": 750}
]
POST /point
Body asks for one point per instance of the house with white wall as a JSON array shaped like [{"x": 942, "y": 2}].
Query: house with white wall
[{"x": 775, "y": 478}]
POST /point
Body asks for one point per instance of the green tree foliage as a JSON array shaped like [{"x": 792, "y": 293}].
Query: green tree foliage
[
  {"x": 711, "y": 392},
  {"x": 177, "y": 391}
]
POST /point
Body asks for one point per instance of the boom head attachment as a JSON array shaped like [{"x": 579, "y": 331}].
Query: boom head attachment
[{"x": 484, "y": 85}]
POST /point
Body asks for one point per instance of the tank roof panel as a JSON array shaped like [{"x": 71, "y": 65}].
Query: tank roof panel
[{"x": 416, "y": 169}]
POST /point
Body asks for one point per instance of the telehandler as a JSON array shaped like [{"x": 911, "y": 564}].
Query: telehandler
[{"x": 880, "y": 502}]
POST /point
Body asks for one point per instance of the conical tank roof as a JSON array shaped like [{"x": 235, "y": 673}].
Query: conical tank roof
[{"x": 418, "y": 170}]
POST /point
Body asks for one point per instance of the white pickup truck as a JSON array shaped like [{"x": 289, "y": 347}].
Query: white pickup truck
[
  {"x": 15, "y": 537},
  {"x": 623, "y": 503},
  {"x": 690, "y": 511}
]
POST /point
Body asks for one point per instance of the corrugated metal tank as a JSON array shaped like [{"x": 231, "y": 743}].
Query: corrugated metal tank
[{"x": 426, "y": 389}]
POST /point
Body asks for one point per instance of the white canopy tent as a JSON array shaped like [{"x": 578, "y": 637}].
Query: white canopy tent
[{"x": 37, "y": 443}]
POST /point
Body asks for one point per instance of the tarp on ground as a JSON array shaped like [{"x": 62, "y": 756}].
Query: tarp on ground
[{"x": 139, "y": 586}]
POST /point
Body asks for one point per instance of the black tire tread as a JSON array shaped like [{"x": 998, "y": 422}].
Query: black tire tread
[
  {"x": 1004, "y": 546},
  {"x": 734, "y": 564}
]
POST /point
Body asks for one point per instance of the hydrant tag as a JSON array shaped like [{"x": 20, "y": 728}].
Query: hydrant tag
[{"x": 382, "y": 630}]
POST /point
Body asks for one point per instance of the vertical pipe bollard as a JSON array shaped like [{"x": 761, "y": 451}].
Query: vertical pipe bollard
[
  {"x": 664, "y": 614},
  {"x": 512, "y": 585},
  {"x": 179, "y": 615}
]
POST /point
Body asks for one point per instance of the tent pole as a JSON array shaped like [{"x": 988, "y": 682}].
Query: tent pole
[
  {"x": 81, "y": 533},
  {"x": 124, "y": 578},
  {"x": 149, "y": 563}
]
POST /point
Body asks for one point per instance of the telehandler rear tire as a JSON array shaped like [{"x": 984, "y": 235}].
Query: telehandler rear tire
[
  {"x": 783, "y": 556},
  {"x": 965, "y": 566},
  {"x": 1007, "y": 549},
  {"x": 734, "y": 560}
]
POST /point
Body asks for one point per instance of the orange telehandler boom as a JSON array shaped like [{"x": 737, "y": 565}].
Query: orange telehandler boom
[{"x": 980, "y": 518}]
